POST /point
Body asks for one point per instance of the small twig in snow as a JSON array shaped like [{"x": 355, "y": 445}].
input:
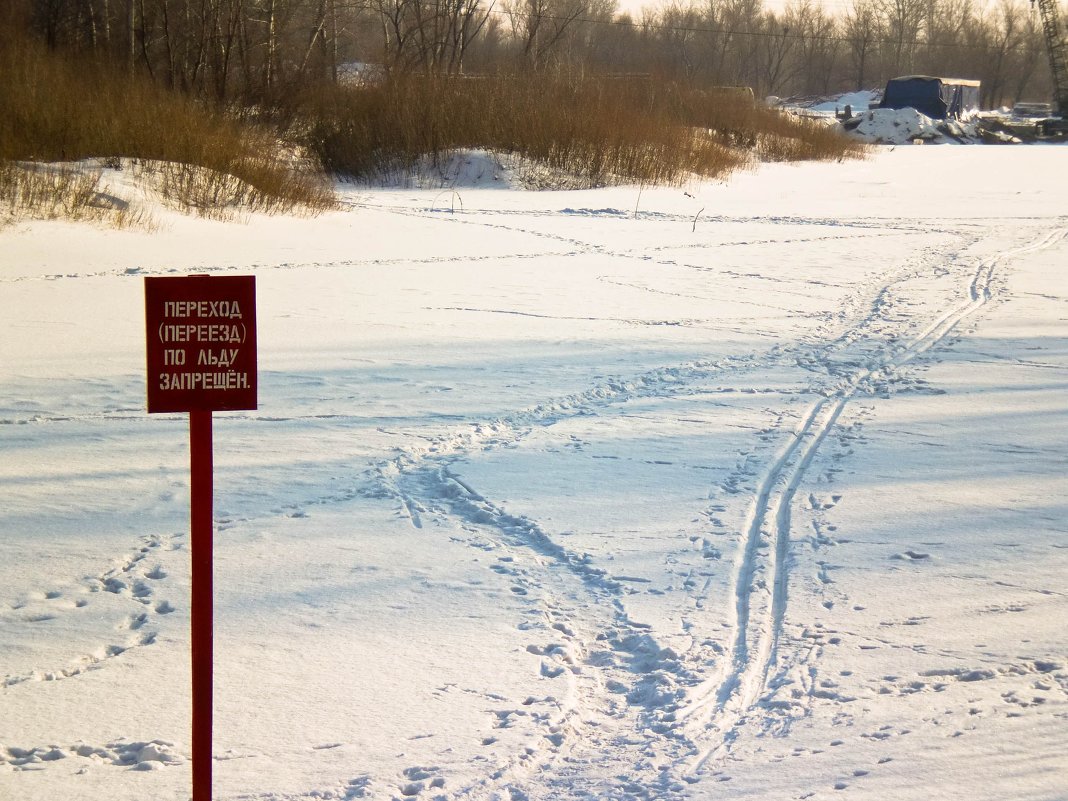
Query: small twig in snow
[
  {"x": 455, "y": 197},
  {"x": 641, "y": 187}
]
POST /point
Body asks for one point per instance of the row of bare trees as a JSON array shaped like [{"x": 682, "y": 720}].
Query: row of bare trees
[
  {"x": 805, "y": 50},
  {"x": 250, "y": 49},
  {"x": 211, "y": 47}
]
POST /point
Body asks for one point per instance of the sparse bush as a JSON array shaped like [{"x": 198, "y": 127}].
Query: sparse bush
[
  {"x": 595, "y": 132},
  {"x": 218, "y": 194},
  {"x": 599, "y": 131},
  {"x": 785, "y": 137},
  {"x": 56, "y": 110},
  {"x": 51, "y": 192}
]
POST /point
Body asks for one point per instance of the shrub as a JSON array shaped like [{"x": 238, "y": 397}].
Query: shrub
[
  {"x": 61, "y": 192},
  {"x": 598, "y": 130},
  {"x": 54, "y": 109}
]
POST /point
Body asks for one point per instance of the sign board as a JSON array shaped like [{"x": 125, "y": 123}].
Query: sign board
[
  {"x": 201, "y": 336},
  {"x": 201, "y": 348}
]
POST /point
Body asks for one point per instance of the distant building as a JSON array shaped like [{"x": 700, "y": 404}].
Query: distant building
[{"x": 937, "y": 98}]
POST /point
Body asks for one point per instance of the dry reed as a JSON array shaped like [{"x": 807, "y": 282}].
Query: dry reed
[
  {"x": 53, "y": 109},
  {"x": 595, "y": 131}
]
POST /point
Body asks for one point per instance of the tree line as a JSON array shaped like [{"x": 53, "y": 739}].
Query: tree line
[{"x": 253, "y": 51}]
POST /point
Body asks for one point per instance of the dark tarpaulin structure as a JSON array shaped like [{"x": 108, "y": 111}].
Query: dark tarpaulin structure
[{"x": 937, "y": 98}]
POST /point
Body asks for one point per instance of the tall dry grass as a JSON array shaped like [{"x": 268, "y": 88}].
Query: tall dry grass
[
  {"x": 595, "y": 131},
  {"x": 58, "y": 192},
  {"x": 59, "y": 109},
  {"x": 598, "y": 131},
  {"x": 576, "y": 133}
]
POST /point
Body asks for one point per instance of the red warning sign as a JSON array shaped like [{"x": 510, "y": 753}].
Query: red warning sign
[{"x": 201, "y": 343}]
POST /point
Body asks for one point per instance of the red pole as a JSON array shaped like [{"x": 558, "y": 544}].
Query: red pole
[{"x": 201, "y": 529}]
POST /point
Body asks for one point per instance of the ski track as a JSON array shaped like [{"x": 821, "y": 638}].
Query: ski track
[
  {"x": 573, "y": 246},
  {"x": 699, "y": 730},
  {"x": 769, "y": 520}
]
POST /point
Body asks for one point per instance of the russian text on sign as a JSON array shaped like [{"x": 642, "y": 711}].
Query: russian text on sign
[
  {"x": 204, "y": 332},
  {"x": 201, "y": 333},
  {"x": 202, "y": 308}
]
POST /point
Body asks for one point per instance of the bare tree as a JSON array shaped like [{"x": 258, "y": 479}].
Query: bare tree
[
  {"x": 684, "y": 50},
  {"x": 251, "y": 49},
  {"x": 863, "y": 31},
  {"x": 903, "y": 22},
  {"x": 775, "y": 47},
  {"x": 818, "y": 46},
  {"x": 540, "y": 25},
  {"x": 1027, "y": 56},
  {"x": 743, "y": 26}
]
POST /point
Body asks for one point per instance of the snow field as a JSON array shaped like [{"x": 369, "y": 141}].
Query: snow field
[{"x": 757, "y": 493}]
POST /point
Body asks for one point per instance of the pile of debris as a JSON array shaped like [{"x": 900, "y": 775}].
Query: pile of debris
[
  {"x": 892, "y": 126},
  {"x": 860, "y": 114}
]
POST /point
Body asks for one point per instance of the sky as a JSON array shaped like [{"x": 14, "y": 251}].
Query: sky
[{"x": 635, "y": 6}]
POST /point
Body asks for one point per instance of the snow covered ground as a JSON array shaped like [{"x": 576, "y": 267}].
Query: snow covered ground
[
  {"x": 888, "y": 126},
  {"x": 758, "y": 492}
]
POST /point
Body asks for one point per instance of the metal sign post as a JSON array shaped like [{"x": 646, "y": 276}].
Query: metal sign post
[
  {"x": 201, "y": 356},
  {"x": 201, "y": 536}
]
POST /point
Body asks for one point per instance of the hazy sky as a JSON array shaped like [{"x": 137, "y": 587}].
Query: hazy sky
[{"x": 634, "y": 6}]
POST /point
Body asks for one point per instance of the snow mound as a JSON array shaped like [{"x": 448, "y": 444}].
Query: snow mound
[
  {"x": 827, "y": 106},
  {"x": 461, "y": 169},
  {"x": 477, "y": 169},
  {"x": 889, "y": 126}
]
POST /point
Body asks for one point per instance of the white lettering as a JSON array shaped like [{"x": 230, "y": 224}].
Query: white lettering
[
  {"x": 174, "y": 356},
  {"x": 176, "y": 382},
  {"x": 227, "y": 309},
  {"x": 222, "y": 358},
  {"x": 187, "y": 332}
]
